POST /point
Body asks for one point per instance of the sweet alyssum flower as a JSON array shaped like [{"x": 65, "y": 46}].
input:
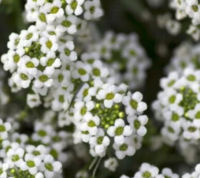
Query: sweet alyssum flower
[
  {"x": 62, "y": 13},
  {"x": 75, "y": 76},
  {"x": 190, "y": 9},
  {"x": 185, "y": 55},
  {"x": 178, "y": 106},
  {"x": 101, "y": 117},
  {"x": 33, "y": 59},
  {"x": 124, "y": 55},
  {"x": 20, "y": 159}
]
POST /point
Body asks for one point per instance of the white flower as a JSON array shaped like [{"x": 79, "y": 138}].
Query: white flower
[
  {"x": 134, "y": 103},
  {"x": 31, "y": 163},
  {"x": 124, "y": 149},
  {"x": 138, "y": 124},
  {"x": 4, "y": 129},
  {"x": 82, "y": 71},
  {"x": 90, "y": 124},
  {"x": 99, "y": 143},
  {"x": 111, "y": 164},
  {"x": 147, "y": 170},
  {"x": 50, "y": 166},
  {"x": 33, "y": 100},
  {"x": 93, "y": 10},
  {"x": 109, "y": 95},
  {"x": 67, "y": 51},
  {"x": 74, "y": 6},
  {"x": 119, "y": 131},
  {"x": 15, "y": 155}
]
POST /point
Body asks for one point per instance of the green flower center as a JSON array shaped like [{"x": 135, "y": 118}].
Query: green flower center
[
  {"x": 99, "y": 140},
  {"x": 54, "y": 153},
  {"x": 2, "y": 128},
  {"x": 42, "y": 17},
  {"x": 34, "y": 51},
  {"x": 123, "y": 147},
  {"x": 119, "y": 131},
  {"x": 96, "y": 72},
  {"x": 30, "y": 163},
  {"x": 146, "y": 174},
  {"x": 49, "y": 166},
  {"x": 15, "y": 158},
  {"x": 66, "y": 23},
  {"x": 54, "y": 10},
  {"x": 108, "y": 116},
  {"x": 17, "y": 173},
  {"x": 189, "y": 99},
  {"x": 42, "y": 133},
  {"x": 110, "y": 96},
  {"x": 74, "y": 5},
  {"x": 43, "y": 78},
  {"x": 16, "y": 58}
]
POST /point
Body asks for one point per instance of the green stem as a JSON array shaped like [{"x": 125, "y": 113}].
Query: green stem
[
  {"x": 93, "y": 163},
  {"x": 96, "y": 168}
]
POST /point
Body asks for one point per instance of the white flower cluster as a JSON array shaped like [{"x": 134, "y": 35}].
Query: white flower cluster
[
  {"x": 124, "y": 54},
  {"x": 186, "y": 55},
  {"x": 37, "y": 55},
  {"x": 77, "y": 83},
  {"x": 190, "y": 9},
  {"x": 108, "y": 115},
  {"x": 62, "y": 13},
  {"x": 149, "y": 171},
  {"x": 71, "y": 77},
  {"x": 178, "y": 106},
  {"x": 56, "y": 141},
  {"x": 32, "y": 59},
  {"x": 21, "y": 159}
]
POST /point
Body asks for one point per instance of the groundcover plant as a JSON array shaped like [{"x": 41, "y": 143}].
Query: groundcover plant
[{"x": 99, "y": 89}]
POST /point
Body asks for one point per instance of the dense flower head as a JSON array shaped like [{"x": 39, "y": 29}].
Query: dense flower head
[
  {"x": 177, "y": 106},
  {"x": 124, "y": 54},
  {"x": 19, "y": 158},
  {"x": 62, "y": 13},
  {"x": 189, "y": 9},
  {"x": 70, "y": 94},
  {"x": 185, "y": 55},
  {"x": 106, "y": 115},
  {"x": 34, "y": 57},
  {"x": 75, "y": 76}
]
